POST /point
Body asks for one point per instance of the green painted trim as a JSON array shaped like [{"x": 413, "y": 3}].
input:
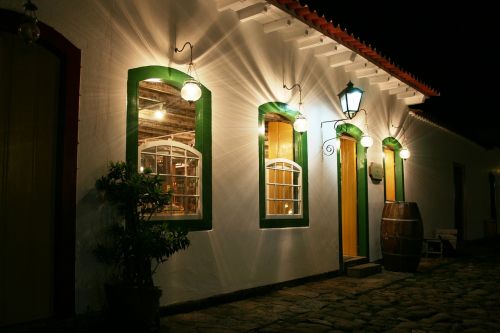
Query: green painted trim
[
  {"x": 300, "y": 146},
  {"x": 339, "y": 199},
  {"x": 362, "y": 189},
  {"x": 203, "y": 136},
  {"x": 394, "y": 144}
]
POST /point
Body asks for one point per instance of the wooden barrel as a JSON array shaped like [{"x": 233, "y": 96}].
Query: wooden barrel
[{"x": 401, "y": 236}]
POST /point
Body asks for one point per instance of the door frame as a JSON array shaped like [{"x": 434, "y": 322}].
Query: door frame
[
  {"x": 67, "y": 141},
  {"x": 362, "y": 191},
  {"x": 394, "y": 144},
  {"x": 459, "y": 172}
]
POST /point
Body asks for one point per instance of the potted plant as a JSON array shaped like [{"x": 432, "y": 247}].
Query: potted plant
[{"x": 135, "y": 245}]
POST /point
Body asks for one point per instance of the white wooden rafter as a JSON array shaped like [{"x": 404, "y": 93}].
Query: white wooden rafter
[
  {"x": 235, "y": 5},
  {"x": 341, "y": 59},
  {"x": 328, "y": 50},
  {"x": 279, "y": 24},
  {"x": 251, "y": 12}
]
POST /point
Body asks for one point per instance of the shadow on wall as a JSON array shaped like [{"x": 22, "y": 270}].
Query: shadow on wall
[{"x": 92, "y": 218}]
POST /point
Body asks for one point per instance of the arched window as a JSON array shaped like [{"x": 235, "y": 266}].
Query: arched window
[
  {"x": 282, "y": 168},
  {"x": 283, "y": 188},
  {"x": 179, "y": 166},
  {"x": 172, "y": 138}
]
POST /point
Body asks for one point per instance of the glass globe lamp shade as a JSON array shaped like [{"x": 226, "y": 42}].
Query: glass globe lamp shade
[
  {"x": 191, "y": 91},
  {"x": 29, "y": 31},
  {"x": 350, "y": 100},
  {"x": 300, "y": 124},
  {"x": 366, "y": 141},
  {"x": 404, "y": 153}
]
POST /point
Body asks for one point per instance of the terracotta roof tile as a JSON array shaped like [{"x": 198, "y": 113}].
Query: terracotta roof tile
[{"x": 311, "y": 18}]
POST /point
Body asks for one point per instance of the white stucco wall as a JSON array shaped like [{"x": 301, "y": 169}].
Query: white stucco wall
[
  {"x": 244, "y": 68},
  {"x": 429, "y": 177}
]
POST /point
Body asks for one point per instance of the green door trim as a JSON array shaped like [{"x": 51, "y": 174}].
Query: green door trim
[
  {"x": 300, "y": 156},
  {"x": 362, "y": 188},
  {"x": 394, "y": 144},
  {"x": 203, "y": 135}
]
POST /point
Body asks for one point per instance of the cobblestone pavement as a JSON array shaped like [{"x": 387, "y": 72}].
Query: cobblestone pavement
[{"x": 445, "y": 295}]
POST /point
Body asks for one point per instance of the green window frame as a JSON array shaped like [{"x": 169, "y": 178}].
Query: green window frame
[
  {"x": 300, "y": 157},
  {"x": 362, "y": 187},
  {"x": 203, "y": 135},
  {"x": 394, "y": 144}
]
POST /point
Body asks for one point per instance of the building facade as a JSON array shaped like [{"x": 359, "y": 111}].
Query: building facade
[{"x": 265, "y": 203}]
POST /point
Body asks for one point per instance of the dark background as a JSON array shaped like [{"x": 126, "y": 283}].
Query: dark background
[{"x": 451, "y": 48}]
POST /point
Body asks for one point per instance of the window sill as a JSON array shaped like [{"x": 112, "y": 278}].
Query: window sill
[{"x": 284, "y": 223}]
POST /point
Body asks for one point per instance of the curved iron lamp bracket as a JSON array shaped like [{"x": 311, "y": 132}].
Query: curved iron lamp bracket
[
  {"x": 328, "y": 147},
  {"x": 300, "y": 92}
]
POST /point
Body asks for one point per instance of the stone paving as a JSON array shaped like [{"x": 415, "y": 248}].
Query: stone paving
[{"x": 445, "y": 295}]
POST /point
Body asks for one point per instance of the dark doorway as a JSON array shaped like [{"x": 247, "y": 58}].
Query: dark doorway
[
  {"x": 493, "y": 197},
  {"x": 39, "y": 98},
  {"x": 458, "y": 193}
]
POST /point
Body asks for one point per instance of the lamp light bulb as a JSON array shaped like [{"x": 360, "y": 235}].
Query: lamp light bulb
[
  {"x": 191, "y": 91},
  {"x": 300, "y": 124},
  {"x": 159, "y": 114},
  {"x": 366, "y": 141},
  {"x": 404, "y": 153}
]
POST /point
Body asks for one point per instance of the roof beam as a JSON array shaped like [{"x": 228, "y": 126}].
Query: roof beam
[
  {"x": 234, "y": 4},
  {"x": 328, "y": 49},
  {"x": 370, "y": 72},
  {"x": 341, "y": 59},
  {"x": 400, "y": 89},
  {"x": 279, "y": 24},
  {"x": 299, "y": 35},
  {"x": 408, "y": 93},
  {"x": 251, "y": 12},
  {"x": 314, "y": 42},
  {"x": 417, "y": 99},
  {"x": 381, "y": 79},
  {"x": 359, "y": 65},
  {"x": 389, "y": 85}
]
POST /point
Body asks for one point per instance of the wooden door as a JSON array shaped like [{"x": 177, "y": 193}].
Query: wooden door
[
  {"x": 390, "y": 175},
  {"x": 29, "y": 104},
  {"x": 458, "y": 195},
  {"x": 349, "y": 196}
]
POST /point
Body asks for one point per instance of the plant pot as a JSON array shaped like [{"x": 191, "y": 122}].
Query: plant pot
[{"x": 134, "y": 308}]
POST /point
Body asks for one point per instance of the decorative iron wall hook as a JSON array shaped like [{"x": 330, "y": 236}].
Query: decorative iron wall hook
[
  {"x": 177, "y": 50},
  {"x": 300, "y": 124},
  {"x": 191, "y": 90},
  {"x": 327, "y": 147}
]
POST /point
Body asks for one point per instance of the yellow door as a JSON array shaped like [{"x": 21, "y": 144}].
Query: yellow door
[
  {"x": 29, "y": 100},
  {"x": 390, "y": 175},
  {"x": 349, "y": 197}
]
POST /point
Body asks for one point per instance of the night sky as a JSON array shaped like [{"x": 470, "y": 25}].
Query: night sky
[{"x": 449, "y": 48}]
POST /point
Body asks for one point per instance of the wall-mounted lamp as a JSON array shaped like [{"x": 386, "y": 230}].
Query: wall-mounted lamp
[
  {"x": 191, "y": 90},
  {"x": 300, "y": 124},
  {"x": 28, "y": 29},
  {"x": 350, "y": 100},
  {"x": 404, "y": 153}
]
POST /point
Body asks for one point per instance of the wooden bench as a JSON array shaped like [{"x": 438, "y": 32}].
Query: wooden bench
[{"x": 442, "y": 237}]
